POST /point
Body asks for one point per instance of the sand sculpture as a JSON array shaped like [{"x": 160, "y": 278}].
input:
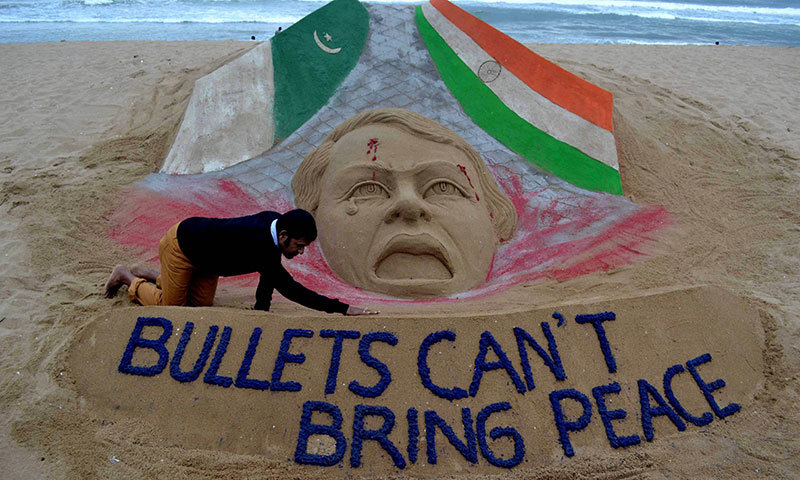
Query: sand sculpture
[
  {"x": 531, "y": 135},
  {"x": 404, "y": 205}
]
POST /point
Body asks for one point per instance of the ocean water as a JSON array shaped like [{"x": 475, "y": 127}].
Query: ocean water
[{"x": 729, "y": 22}]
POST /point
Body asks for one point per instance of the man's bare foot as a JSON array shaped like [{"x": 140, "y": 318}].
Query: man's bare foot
[
  {"x": 144, "y": 272},
  {"x": 119, "y": 276}
]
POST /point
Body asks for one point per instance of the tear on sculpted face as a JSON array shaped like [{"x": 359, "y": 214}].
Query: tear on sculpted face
[{"x": 404, "y": 206}]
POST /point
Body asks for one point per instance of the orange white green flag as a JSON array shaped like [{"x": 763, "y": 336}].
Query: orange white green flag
[{"x": 558, "y": 121}]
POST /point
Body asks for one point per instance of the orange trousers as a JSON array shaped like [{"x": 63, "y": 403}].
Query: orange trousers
[{"x": 179, "y": 283}]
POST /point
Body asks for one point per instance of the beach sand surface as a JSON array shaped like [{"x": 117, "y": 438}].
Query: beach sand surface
[{"x": 709, "y": 132}]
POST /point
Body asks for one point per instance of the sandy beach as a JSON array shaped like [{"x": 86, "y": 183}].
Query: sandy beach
[{"x": 708, "y": 132}]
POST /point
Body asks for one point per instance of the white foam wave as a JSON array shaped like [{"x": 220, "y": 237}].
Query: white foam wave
[
  {"x": 212, "y": 20},
  {"x": 661, "y": 16},
  {"x": 657, "y": 15},
  {"x": 651, "y": 5}
]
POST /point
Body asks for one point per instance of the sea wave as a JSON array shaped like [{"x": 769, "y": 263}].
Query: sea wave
[
  {"x": 670, "y": 6},
  {"x": 689, "y": 17},
  {"x": 581, "y": 21},
  {"x": 231, "y": 16},
  {"x": 282, "y": 20},
  {"x": 627, "y": 8}
]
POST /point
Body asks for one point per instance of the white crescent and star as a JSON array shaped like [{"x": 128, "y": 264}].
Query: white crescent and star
[{"x": 324, "y": 47}]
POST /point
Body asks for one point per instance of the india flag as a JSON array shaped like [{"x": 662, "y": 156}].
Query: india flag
[{"x": 555, "y": 119}]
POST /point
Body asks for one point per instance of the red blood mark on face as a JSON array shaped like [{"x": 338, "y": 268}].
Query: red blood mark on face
[
  {"x": 464, "y": 171},
  {"x": 373, "y": 176},
  {"x": 372, "y": 147}
]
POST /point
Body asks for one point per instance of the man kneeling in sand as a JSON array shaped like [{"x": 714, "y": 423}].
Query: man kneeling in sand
[{"x": 194, "y": 253}]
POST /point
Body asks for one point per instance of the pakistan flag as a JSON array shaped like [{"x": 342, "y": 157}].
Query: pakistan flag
[{"x": 312, "y": 58}]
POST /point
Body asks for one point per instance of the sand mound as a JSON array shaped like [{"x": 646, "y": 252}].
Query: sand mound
[{"x": 247, "y": 390}]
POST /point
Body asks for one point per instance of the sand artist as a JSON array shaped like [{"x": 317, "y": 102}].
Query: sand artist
[
  {"x": 406, "y": 207},
  {"x": 195, "y": 252}
]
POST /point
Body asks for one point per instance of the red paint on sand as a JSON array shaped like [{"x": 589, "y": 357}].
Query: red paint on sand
[
  {"x": 372, "y": 147},
  {"x": 558, "y": 237},
  {"x": 571, "y": 236},
  {"x": 144, "y": 216},
  {"x": 464, "y": 171}
]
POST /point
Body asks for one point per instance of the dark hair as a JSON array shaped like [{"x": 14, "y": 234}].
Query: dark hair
[{"x": 298, "y": 224}]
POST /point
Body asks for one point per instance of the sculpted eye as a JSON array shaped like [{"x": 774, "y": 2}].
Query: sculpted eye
[
  {"x": 443, "y": 188},
  {"x": 369, "y": 190}
]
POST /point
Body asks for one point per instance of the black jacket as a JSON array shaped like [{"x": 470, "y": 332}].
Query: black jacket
[{"x": 236, "y": 246}]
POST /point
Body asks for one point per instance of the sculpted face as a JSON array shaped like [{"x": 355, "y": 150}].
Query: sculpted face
[{"x": 402, "y": 215}]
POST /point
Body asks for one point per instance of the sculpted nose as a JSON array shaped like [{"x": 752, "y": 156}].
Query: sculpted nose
[{"x": 408, "y": 209}]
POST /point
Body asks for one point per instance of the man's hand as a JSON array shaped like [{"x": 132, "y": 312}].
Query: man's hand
[{"x": 352, "y": 310}]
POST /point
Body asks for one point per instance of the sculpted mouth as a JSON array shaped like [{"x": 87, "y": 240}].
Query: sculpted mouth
[{"x": 414, "y": 257}]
